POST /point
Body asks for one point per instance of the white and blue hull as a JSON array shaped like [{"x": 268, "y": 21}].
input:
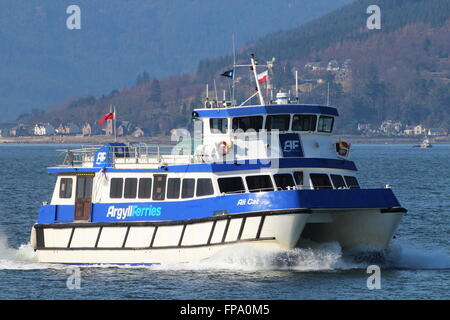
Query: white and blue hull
[{"x": 198, "y": 239}]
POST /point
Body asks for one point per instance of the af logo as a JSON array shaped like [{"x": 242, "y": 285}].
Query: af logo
[
  {"x": 101, "y": 157},
  {"x": 291, "y": 145}
]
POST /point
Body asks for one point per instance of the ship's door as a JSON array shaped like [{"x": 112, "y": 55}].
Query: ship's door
[{"x": 83, "y": 199}]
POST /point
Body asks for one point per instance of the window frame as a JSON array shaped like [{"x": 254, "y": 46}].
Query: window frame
[
  {"x": 145, "y": 187},
  {"x": 197, "y": 187},
  {"x": 266, "y": 176},
  {"x": 222, "y": 179},
  {"x": 130, "y": 184},
  {"x": 271, "y": 116},
  {"x": 352, "y": 186},
  {"x": 338, "y": 176},
  {"x": 238, "y": 119},
  {"x": 63, "y": 193},
  {"x": 221, "y": 125},
  {"x": 176, "y": 192},
  {"x": 185, "y": 195},
  {"x": 319, "y": 129},
  {"x": 314, "y": 123},
  {"x": 111, "y": 188},
  {"x": 159, "y": 196},
  {"x": 320, "y": 187},
  {"x": 284, "y": 187}
]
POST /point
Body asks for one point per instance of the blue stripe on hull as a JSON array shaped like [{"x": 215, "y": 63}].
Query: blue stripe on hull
[{"x": 226, "y": 204}]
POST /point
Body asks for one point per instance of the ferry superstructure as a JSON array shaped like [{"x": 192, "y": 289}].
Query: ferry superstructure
[{"x": 266, "y": 175}]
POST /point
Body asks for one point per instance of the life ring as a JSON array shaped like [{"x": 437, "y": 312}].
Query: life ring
[
  {"x": 343, "y": 148},
  {"x": 222, "y": 145},
  {"x": 343, "y": 144}
]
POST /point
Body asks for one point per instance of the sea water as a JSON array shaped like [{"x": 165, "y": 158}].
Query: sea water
[{"x": 417, "y": 263}]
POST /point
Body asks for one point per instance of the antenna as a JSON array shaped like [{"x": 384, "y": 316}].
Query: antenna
[
  {"x": 328, "y": 94},
  {"x": 215, "y": 90},
  {"x": 296, "y": 85},
  {"x": 234, "y": 69}
]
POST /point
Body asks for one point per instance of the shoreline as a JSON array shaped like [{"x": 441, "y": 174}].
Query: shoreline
[{"x": 166, "y": 140}]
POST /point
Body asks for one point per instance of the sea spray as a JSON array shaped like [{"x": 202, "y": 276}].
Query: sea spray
[{"x": 405, "y": 255}]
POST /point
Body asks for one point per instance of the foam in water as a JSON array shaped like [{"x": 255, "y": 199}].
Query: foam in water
[{"x": 403, "y": 255}]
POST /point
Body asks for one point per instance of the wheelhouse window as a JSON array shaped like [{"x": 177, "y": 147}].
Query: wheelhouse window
[
  {"x": 284, "y": 181},
  {"x": 188, "y": 188},
  {"x": 204, "y": 187},
  {"x": 259, "y": 183},
  {"x": 116, "y": 188},
  {"x": 304, "y": 122},
  {"x": 325, "y": 124},
  {"x": 278, "y": 122},
  {"x": 298, "y": 176},
  {"x": 130, "y": 189},
  {"x": 145, "y": 188},
  {"x": 338, "y": 181},
  {"x": 65, "y": 188},
  {"x": 352, "y": 182},
  {"x": 320, "y": 181},
  {"x": 231, "y": 185},
  {"x": 247, "y": 123},
  {"x": 159, "y": 187},
  {"x": 173, "y": 188},
  {"x": 218, "y": 125}
]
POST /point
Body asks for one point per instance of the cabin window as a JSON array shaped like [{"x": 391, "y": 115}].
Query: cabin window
[
  {"x": 338, "y": 181},
  {"x": 247, "y": 123},
  {"x": 325, "y": 124},
  {"x": 352, "y": 182},
  {"x": 145, "y": 188},
  {"x": 84, "y": 186},
  {"x": 218, "y": 125},
  {"x": 278, "y": 122},
  {"x": 188, "y": 188},
  {"x": 116, "y": 187},
  {"x": 159, "y": 187},
  {"x": 173, "y": 188},
  {"x": 204, "y": 187},
  {"x": 302, "y": 122},
  {"x": 320, "y": 181},
  {"x": 130, "y": 188},
  {"x": 231, "y": 185},
  {"x": 65, "y": 188},
  {"x": 284, "y": 181},
  {"x": 259, "y": 183},
  {"x": 298, "y": 176}
]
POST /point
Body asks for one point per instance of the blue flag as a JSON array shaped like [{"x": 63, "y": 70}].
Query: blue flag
[{"x": 228, "y": 73}]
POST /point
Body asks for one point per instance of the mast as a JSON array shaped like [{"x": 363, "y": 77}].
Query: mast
[
  {"x": 261, "y": 98},
  {"x": 234, "y": 70}
]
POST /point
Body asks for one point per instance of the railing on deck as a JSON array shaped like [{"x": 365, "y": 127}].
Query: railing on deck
[{"x": 129, "y": 154}]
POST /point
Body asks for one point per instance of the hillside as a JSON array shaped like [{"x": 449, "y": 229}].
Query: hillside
[
  {"x": 399, "y": 73},
  {"x": 43, "y": 62}
]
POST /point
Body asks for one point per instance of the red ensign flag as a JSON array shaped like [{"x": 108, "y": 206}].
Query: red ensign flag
[{"x": 108, "y": 116}]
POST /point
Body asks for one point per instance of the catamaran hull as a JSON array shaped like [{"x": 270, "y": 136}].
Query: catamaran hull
[{"x": 195, "y": 240}]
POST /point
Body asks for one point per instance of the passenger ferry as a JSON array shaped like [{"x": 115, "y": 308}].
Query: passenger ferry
[{"x": 266, "y": 175}]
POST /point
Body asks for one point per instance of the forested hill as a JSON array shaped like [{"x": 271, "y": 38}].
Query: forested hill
[
  {"x": 400, "y": 72},
  {"x": 44, "y": 62}
]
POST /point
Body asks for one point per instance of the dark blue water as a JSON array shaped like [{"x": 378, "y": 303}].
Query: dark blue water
[{"x": 417, "y": 266}]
